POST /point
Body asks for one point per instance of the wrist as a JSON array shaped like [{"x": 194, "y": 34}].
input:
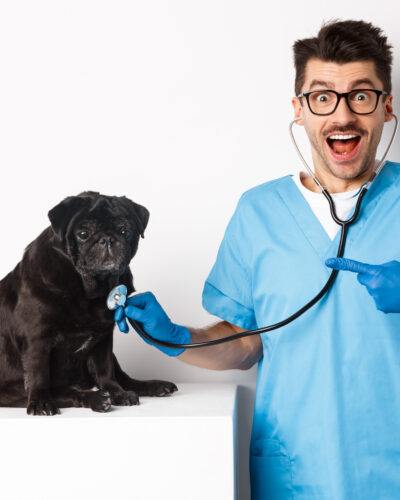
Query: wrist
[{"x": 180, "y": 335}]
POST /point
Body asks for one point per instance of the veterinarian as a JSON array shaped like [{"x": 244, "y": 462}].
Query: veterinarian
[{"x": 327, "y": 408}]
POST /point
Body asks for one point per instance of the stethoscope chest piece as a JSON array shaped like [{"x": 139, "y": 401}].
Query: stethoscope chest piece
[{"x": 117, "y": 297}]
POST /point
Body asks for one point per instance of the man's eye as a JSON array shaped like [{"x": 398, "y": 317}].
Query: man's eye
[
  {"x": 360, "y": 96},
  {"x": 322, "y": 97},
  {"x": 83, "y": 235}
]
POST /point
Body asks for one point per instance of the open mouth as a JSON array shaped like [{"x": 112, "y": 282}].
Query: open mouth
[{"x": 343, "y": 146}]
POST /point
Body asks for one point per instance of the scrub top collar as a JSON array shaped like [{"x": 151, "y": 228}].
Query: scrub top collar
[{"x": 311, "y": 226}]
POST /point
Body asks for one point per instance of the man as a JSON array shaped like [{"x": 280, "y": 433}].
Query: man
[{"x": 327, "y": 410}]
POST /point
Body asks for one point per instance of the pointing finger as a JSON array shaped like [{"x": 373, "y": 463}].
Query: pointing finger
[{"x": 342, "y": 264}]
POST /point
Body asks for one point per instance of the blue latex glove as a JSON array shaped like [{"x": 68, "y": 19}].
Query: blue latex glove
[
  {"x": 145, "y": 309},
  {"x": 382, "y": 282}
]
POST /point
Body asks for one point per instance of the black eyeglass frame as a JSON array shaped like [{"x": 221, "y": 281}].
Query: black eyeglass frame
[{"x": 339, "y": 95}]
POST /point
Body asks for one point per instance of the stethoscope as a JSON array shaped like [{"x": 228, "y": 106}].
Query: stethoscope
[{"x": 117, "y": 296}]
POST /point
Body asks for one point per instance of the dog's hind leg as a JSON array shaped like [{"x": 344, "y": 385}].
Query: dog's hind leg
[
  {"x": 13, "y": 395},
  {"x": 142, "y": 387}
]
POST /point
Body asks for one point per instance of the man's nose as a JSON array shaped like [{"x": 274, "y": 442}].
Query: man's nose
[
  {"x": 106, "y": 240},
  {"x": 343, "y": 113}
]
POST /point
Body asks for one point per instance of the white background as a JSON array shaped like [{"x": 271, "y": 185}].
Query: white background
[{"x": 179, "y": 105}]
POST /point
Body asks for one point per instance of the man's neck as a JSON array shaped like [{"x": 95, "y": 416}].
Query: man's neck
[{"x": 334, "y": 184}]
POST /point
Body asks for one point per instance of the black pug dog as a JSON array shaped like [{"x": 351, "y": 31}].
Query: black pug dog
[{"x": 56, "y": 333}]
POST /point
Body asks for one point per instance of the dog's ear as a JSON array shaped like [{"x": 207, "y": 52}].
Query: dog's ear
[
  {"x": 61, "y": 214},
  {"x": 138, "y": 213}
]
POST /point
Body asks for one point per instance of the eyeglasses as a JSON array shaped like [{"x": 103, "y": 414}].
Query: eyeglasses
[{"x": 359, "y": 101}]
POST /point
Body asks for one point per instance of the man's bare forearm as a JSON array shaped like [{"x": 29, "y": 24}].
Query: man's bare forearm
[{"x": 237, "y": 354}]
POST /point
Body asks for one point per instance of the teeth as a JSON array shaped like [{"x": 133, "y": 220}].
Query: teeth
[{"x": 342, "y": 137}]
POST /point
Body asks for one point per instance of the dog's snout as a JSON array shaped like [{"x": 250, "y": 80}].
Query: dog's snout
[{"x": 106, "y": 240}]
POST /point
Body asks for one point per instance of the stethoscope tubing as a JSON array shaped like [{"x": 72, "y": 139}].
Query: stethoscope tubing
[
  {"x": 344, "y": 228},
  {"x": 247, "y": 333}
]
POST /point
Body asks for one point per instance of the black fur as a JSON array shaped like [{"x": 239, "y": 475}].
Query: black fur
[{"x": 56, "y": 334}]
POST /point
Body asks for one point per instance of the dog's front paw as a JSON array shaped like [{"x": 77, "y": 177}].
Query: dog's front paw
[
  {"x": 124, "y": 398},
  {"x": 100, "y": 401},
  {"x": 42, "y": 407}
]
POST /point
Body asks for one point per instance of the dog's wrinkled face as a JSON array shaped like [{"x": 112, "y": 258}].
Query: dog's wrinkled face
[{"x": 98, "y": 233}]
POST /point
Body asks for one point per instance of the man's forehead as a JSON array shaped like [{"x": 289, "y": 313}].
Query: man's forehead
[{"x": 340, "y": 77}]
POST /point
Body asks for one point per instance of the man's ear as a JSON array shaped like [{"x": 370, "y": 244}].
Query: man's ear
[
  {"x": 298, "y": 110},
  {"x": 61, "y": 214},
  {"x": 138, "y": 213},
  {"x": 388, "y": 108}
]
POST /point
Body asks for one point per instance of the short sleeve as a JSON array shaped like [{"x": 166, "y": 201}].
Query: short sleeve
[{"x": 227, "y": 291}]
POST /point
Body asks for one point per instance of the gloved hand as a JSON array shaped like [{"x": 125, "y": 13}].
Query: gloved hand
[
  {"x": 145, "y": 309},
  {"x": 382, "y": 282}
]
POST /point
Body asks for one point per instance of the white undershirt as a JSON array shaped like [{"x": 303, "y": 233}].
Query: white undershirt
[{"x": 344, "y": 203}]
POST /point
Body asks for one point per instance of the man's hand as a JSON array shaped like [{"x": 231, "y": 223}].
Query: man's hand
[
  {"x": 145, "y": 309},
  {"x": 382, "y": 282}
]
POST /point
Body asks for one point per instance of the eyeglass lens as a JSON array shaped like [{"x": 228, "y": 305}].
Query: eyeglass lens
[{"x": 360, "y": 101}]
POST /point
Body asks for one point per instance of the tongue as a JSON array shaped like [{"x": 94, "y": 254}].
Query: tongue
[{"x": 344, "y": 146}]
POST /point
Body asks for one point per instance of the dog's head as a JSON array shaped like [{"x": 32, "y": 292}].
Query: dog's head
[{"x": 98, "y": 233}]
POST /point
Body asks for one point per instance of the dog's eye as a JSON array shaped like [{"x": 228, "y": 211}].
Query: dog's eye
[
  {"x": 125, "y": 232},
  {"x": 83, "y": 235}
]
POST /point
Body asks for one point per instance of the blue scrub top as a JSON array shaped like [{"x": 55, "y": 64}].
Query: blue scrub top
[{"x": 327, "y": 410}]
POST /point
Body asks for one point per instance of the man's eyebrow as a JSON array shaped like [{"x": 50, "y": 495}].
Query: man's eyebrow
[
  {"x": 329, "y": 85},
  {"x": 322, "y": 84},
  {"x": 363, "y": 81}
]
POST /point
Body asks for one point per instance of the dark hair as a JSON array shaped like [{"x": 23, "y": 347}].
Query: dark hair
[{"x": 342, "y": 42}]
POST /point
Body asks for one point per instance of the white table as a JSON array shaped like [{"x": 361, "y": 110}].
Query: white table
[{"x": 177, "y": 447}]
